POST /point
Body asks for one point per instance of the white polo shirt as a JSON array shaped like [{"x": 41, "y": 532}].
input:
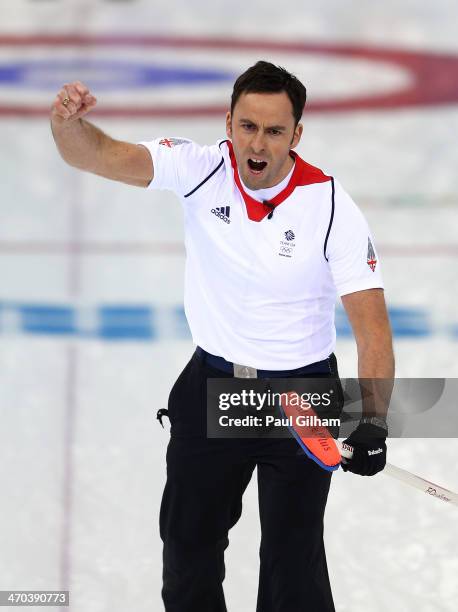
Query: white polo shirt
[{"x": 261, "y": 291}]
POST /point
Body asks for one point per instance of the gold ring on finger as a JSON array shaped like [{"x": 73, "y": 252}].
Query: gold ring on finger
[{"x": 65, "y": 101}]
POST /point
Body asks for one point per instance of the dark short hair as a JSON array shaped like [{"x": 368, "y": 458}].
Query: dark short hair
[{"x": 265, "y": 77}]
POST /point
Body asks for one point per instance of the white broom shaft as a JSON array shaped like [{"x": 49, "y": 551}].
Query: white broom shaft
[{"x": 408, "y": 478}]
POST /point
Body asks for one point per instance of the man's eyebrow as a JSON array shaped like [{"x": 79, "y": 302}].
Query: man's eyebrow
[{"x": 281, "y": 128}]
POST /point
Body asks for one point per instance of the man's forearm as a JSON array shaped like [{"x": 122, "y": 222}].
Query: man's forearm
[
  {"x": 376, "y": 375},
  {"x": 84, "y": 146},
  {"x": 80, "y": 143}
]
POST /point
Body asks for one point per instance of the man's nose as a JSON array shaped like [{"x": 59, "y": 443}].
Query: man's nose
[{"x": 258, "y": 142}]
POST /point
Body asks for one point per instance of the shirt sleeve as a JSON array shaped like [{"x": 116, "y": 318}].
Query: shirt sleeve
[
  {"x": 350, "y": 249},
  {"x": 180, "y": 164}
]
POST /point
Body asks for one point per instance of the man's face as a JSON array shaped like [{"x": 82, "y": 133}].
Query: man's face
[{"x": 262, "y": 130}]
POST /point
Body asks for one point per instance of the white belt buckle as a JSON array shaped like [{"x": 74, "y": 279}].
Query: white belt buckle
[{"x": 243, "y": 371}]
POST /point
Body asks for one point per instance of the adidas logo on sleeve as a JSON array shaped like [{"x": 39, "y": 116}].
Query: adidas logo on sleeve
[{"x": 223, "y": 212}]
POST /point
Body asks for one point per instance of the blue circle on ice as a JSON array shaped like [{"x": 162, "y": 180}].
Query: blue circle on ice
[{"x": 105, "y": 75}]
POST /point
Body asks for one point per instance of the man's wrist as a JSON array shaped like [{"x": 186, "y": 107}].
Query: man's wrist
[
  {"x": 61, "y": 125},
  {"x": 377, "y": 421}
]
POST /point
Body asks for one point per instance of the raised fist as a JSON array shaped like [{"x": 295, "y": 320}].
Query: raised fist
[{"x": 72, "y": 102}]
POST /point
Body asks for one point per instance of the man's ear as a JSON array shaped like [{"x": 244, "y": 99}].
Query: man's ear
[
  {"x": 297, "y": 135},
  {"x": 229, "y": 124}
]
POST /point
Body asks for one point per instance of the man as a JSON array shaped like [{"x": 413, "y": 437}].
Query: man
[{"x": 269, "y": 240}]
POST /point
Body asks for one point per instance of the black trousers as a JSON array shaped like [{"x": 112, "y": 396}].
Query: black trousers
[{"x": 202, "y": 500}]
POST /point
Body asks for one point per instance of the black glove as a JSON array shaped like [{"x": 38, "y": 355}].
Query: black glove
[{"x": 369, "y": 450}]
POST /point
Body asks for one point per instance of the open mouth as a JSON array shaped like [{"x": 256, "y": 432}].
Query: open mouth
[{"x": 256, "y": 165}]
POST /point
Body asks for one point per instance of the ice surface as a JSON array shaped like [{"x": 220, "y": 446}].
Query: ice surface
[{"x": 82, "y": 456}]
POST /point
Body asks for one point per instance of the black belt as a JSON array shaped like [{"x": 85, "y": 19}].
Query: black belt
[{"x": 242, "y": 371}]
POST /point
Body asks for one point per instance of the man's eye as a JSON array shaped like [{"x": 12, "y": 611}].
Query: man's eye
[
  {"x": 275, "y": 132},
  {"x": 247, "y": 126}
]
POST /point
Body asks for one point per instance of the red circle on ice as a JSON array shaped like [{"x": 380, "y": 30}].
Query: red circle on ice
[{"x": 433, "y": 76}]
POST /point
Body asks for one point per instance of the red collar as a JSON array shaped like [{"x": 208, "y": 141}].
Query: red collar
[{"x": 303, "y": 174}]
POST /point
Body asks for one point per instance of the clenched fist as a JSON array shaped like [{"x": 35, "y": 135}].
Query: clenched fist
[{"x": 72, "y": 102}]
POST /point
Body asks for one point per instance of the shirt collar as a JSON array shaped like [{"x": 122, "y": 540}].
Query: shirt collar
[{"x": 303, "y": 174}]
